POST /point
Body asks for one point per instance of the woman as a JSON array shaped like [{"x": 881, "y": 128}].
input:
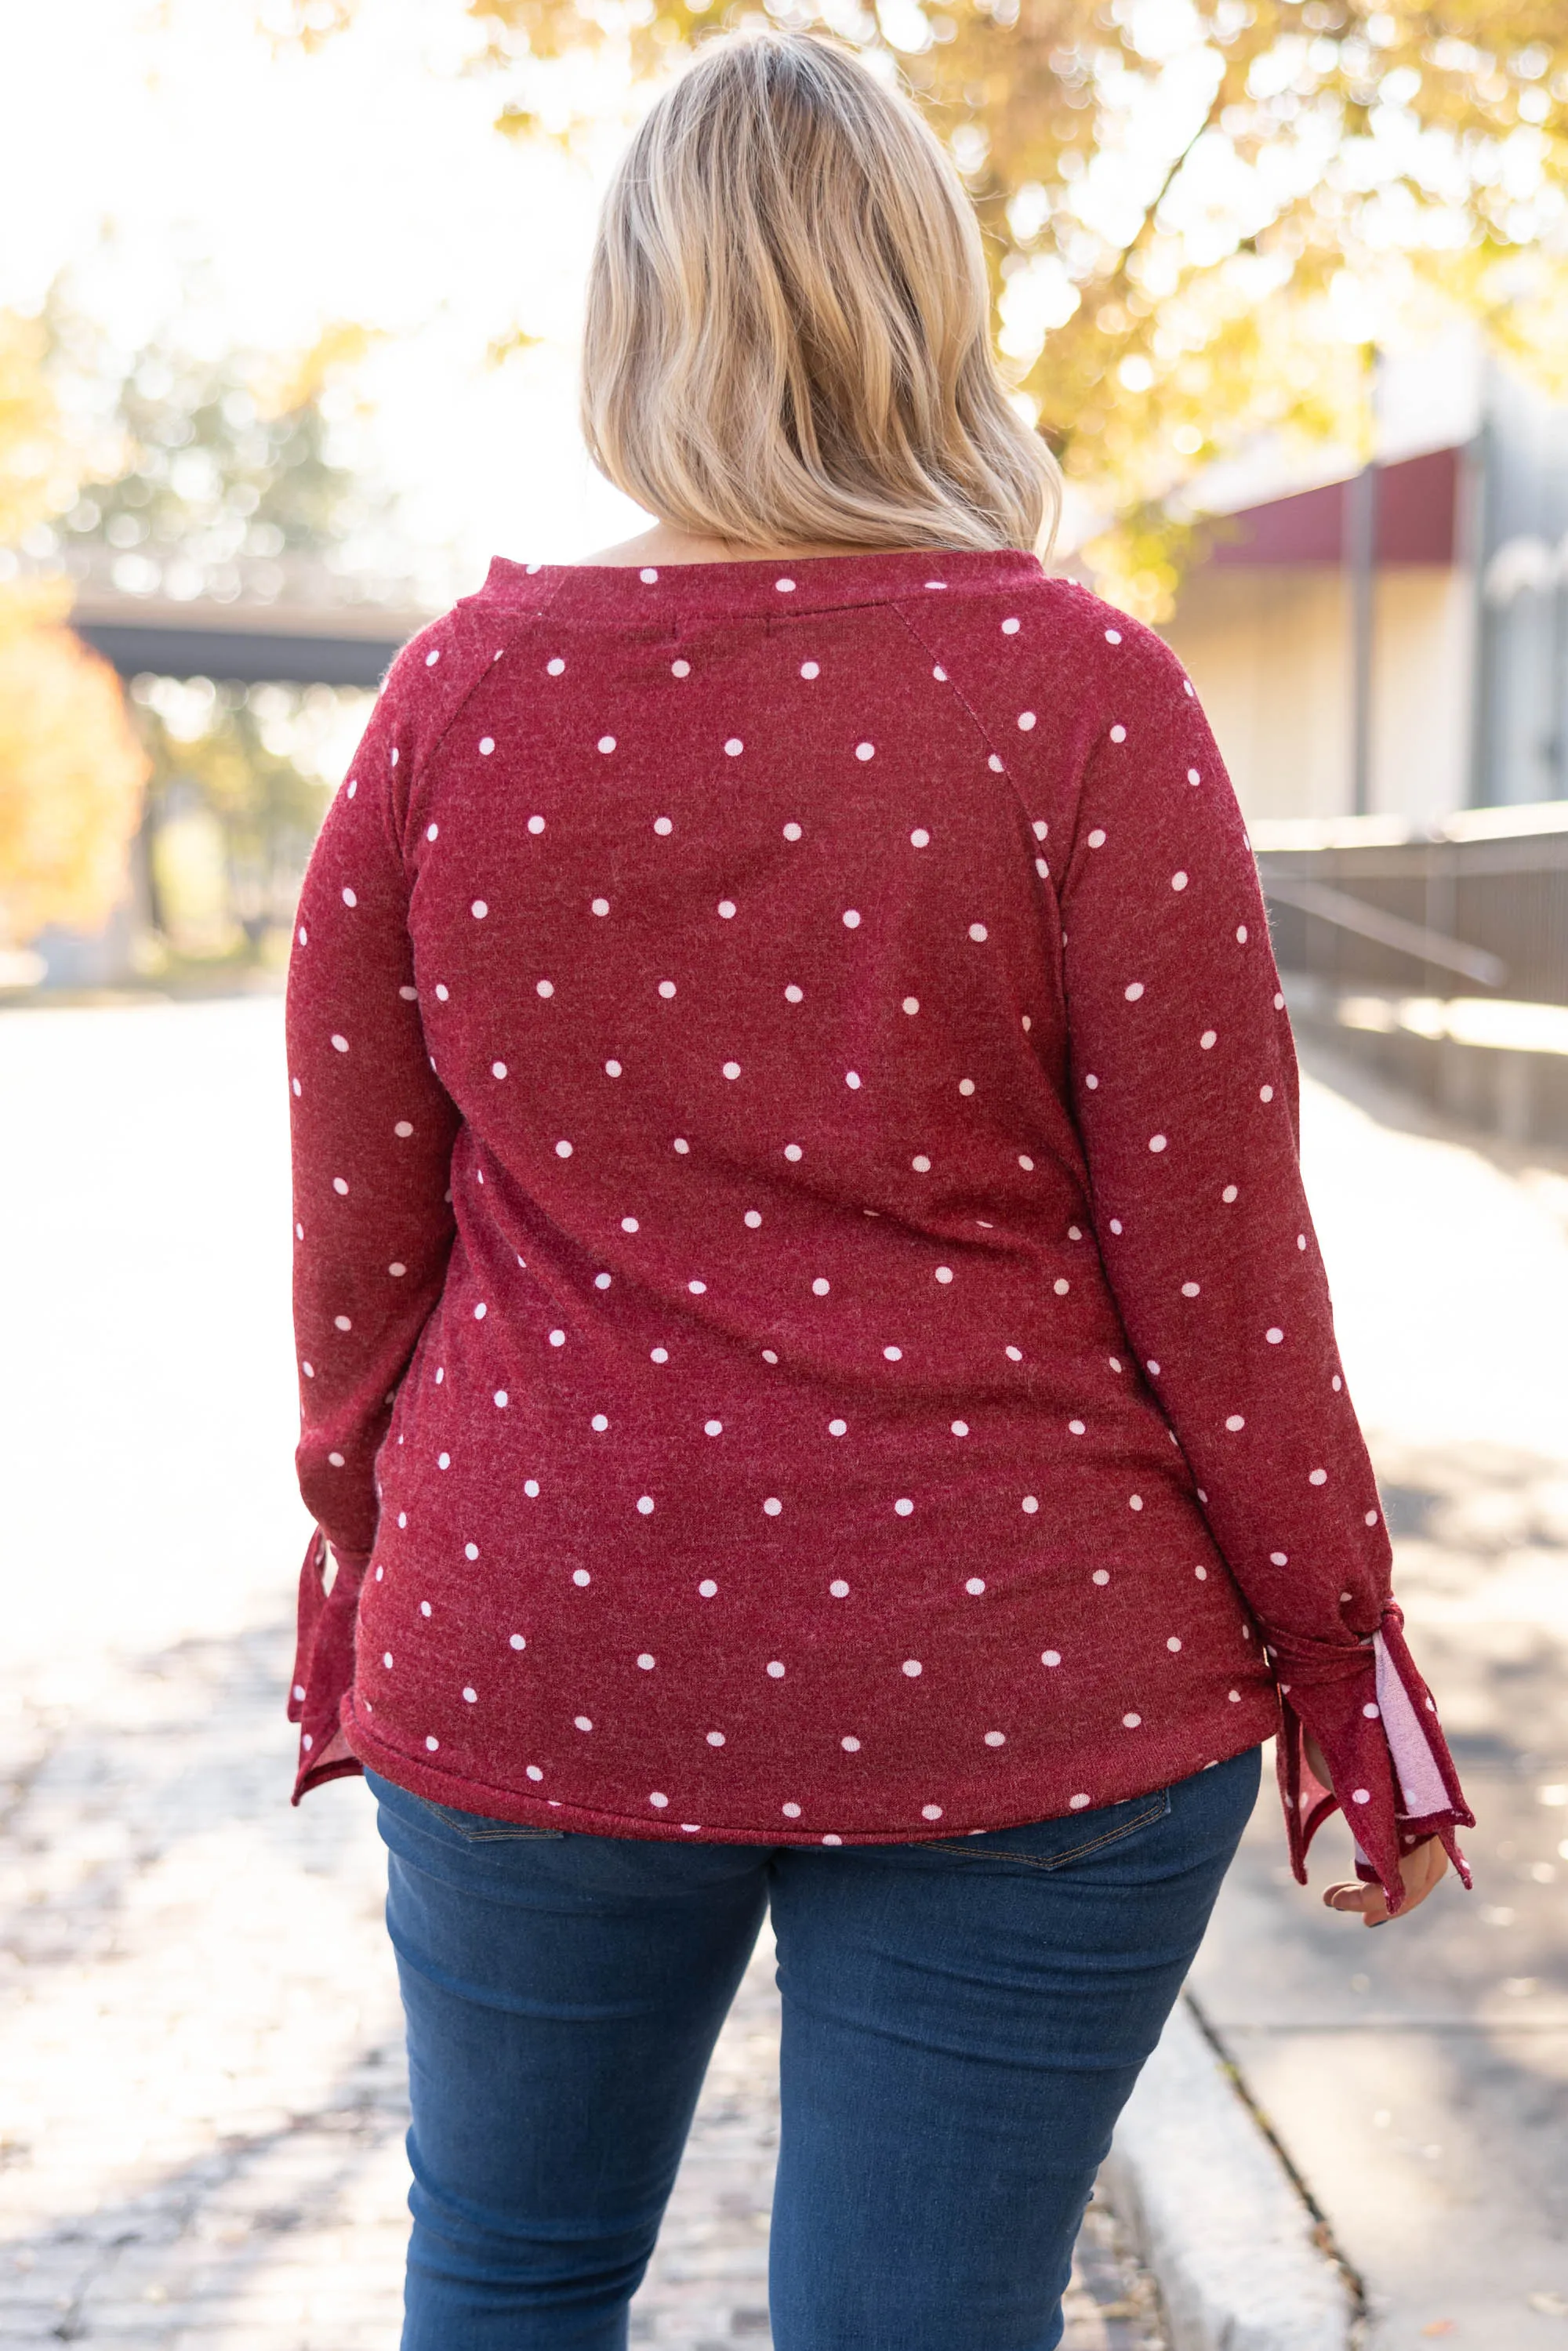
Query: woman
[{"x": 819, "y": 1387}]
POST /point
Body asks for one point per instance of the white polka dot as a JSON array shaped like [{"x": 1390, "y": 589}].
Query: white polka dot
[
  {"x": 502, "y": 1399},
  {"x": 557, "y": 1338},
  {"x": 658, "y": 1354},
  {"x": 662, "y": 825},
  {"x": 343, "y": 1321},
  {"x": 852, "y": 1080},
  {"x": 680, "y": 669},
  {"x": 960, "y": 1427},
  {"x": 810, "y": 669},
  {"x": 1075, "y": 1427},
  {"x": 707, "y": 1587},
  {"x": 433, "y": 1744},
  {"x": 554, "y": 668},
  {"x": 911, "y": 1003},
  {"x": 920, "y": 838},
  {"x": 1235, "y": 1422},
  {"x": 1178, "y": 880},
  {"x": 820, "y": 1287},
  {"x": 1014, "y": 1355},
  {"x": 602, "y": 906},
  {"x": 1131, "y": 1721},
  {"x": 791, "y": 830},
  {"x": 497, "y": 1069},
  {"x": 350, "y": 899},
  {"x": 893, "y": 1354},
  {"x": 1050, "y": 1656},
  {"x": 1101, "y": 1575},
  {"x": 940, "y": 674},
  {"x": 1091, "y": 1081},
  {"x": 1010, "y": 628},
  {"x": 1317, "y": 1477},
  {"x": 487, "y": 745},
  {"x": 1026, "y": 1163},
  {"x": 850, "y": 1746},
  {"x": 1025, "y": 720},
  {"x": 534, "y": 1772},
  {"x": 1279, "y": 1003},
  {"x": 790, "y": 1812},
  {"x": 1133, "y": 990},
  {"x": 791, "y": 1152},
  {"x": 1189, "y": 1290},
  {"x": 930, "y": 1812},
  {"x": 648, "y": 576},
  {"x": 793, "y": 995},
  {"x": 734, "y": 748},
  {"x": 563, "y": 1149},
  {"x": 732, "y": 1069},
  {"x": 1157, "y": 1143},
  {"x": 1077, "y": 1803},
  {"x": 1135, "y": 1501},
  {"x": 837, "y": 1428},
  {"x": 1118, "y": 734},
  {"x": 903, "y": 1506},
  {"x": 1361, "y": 1796},
  {"x": 1371, "y": 1518},
  {"x": 1097, "y": 838},
  {"x": 715, "y": 1738},
  {"x": 536, "y": 824},
  {"x": 658, "y": 1798},
  {"x": 784, "y": 586},
  {"x": 644, "y": 1503},
  {"x": 340, "y": 1184},
  {"x": 838, "y": 1588},
  {"x": 607, "y": 742},
  {"x": 1060, "y": 1286},
  {"x": 1029, "y": 1504},
  {"x": 478, "y": 910},
  {"x": 851, "y": 919},
  {"x": 978, "y": 930},
  {"x": 1241, "y": 935},
  {"x": 775, "y": 1669},
  {"x": 696, "y": 1288},
  {"x": 1228, "y": 1194},
  {"x": 912, "y": 1667}
]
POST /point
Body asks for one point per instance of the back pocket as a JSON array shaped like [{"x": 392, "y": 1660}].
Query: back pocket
[{"x": 479, "y": 1828}]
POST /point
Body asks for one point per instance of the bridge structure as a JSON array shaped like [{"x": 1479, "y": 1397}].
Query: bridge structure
[{"x": 246, "y": 642}]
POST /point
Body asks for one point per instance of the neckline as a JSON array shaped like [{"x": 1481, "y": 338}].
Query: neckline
[{"x": 656, "y": 593}]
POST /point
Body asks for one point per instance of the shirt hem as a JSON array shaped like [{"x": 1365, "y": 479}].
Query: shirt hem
[{"x": 1255, "y": 1721}]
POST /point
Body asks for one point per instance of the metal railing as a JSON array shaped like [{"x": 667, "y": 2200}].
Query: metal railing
[{"x": 1478, "y": 905}]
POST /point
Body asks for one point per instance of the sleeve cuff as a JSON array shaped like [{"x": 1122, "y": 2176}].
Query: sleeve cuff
[
  {"x": 1376, "y": 1722},
  {"x": 329, "y": 1583}
]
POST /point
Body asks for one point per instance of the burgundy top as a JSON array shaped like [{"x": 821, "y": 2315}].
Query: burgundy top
[{"x": 810, "y": 1330}]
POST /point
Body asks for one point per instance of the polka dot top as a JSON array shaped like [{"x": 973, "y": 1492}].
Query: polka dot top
[{"x": 808, "y": 1327}]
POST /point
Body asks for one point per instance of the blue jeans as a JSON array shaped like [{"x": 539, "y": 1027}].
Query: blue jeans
[{"x": 963, "y": 2024}]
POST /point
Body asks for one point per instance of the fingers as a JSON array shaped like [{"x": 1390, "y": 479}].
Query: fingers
[{"x": 1419, "y": 1872}]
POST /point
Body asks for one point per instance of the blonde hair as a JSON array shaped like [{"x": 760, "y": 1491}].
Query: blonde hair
[{"x": 788, "y": 323}]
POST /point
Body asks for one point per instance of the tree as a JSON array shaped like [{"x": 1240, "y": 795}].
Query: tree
[
  {"x": 1198, "y": 213},
  {"x": 71, "y": 769},
  {"x": 71, "y": 773},
  {"x": 232, "y": 481}
]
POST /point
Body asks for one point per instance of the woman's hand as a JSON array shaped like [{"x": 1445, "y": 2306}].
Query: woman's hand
[{"x": 1419, "y": 1871}]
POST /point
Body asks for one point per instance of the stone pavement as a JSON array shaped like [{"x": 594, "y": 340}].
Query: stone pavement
[
  {"x": 202, "y": 2098},
  {"x": 1420, "y": 2081}
]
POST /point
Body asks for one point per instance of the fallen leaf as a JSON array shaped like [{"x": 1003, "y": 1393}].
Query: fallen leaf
[{"x": 1440, "y": 2326}]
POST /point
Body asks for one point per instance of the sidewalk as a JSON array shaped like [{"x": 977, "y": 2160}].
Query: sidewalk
[
  {"x": 1419, "y": 2080},
  {"x": 203, "y": 2106}
]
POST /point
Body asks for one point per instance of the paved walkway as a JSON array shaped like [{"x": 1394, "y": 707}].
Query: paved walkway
[
  {"x": 202, "y": 2110},
  {"x": 1420, "y": 2079}
]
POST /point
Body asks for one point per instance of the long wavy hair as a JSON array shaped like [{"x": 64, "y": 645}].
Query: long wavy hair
[{"x": 788, "y": 323}]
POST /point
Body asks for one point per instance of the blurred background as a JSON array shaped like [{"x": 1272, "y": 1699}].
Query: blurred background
[{"x": 289, "y": 294}]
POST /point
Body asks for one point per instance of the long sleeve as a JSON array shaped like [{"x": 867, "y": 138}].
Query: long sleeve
[
  {"x": 373, "y": 1136},
  {"x": 1185, "y": 1090}
]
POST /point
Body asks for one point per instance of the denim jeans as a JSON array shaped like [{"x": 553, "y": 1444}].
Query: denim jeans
[{"x": 963, "y": 2022}]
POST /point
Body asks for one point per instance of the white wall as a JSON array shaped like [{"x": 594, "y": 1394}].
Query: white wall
[{"x": 1268, "y": 648}]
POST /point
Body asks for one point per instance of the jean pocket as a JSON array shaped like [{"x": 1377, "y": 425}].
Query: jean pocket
[
  {"x": 479, "y": 1828},
  {"x": 1057, "y": 1844}
]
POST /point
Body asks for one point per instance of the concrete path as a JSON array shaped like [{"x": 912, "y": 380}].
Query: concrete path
[
  {"x": 202, "y": 2098},
  {"x": 1419, "y": 2081}
]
